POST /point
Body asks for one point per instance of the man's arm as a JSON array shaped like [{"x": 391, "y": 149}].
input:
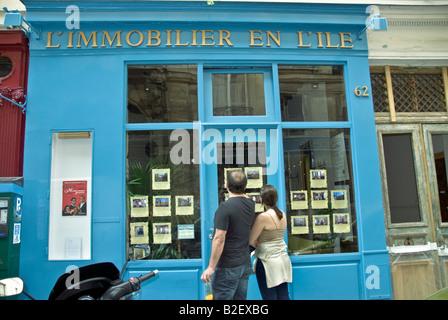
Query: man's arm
[{"x": 218, "y": 242}]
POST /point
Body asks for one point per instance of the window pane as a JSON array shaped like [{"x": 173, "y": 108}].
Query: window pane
[
  {"x": 319, "y": 191},
  {"x": 440, "y": 146},
  {"x": 162, "y": 93},
  {"x": 163, "y": 210},
  {"x": 238, "y": 94},
  {"x": 401, "y": 181},
  {"x": 249, "y": 157},
  {"x": 312, "y": 93}
]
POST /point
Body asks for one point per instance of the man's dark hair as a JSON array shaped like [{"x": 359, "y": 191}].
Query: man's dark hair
[{"x": 236, "y": 182}]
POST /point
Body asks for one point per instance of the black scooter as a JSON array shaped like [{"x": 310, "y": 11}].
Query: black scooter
[{"x": 100, "y": 281}]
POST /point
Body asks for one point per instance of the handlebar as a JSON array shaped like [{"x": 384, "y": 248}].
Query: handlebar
[
  {"x": 116, "y": 292},
  {"x": 148, "y": 276}
]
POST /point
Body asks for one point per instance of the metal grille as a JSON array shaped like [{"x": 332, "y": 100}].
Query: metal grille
[
  {"x": 379, "y": 92},
  {"x": 418, "y": 92}
]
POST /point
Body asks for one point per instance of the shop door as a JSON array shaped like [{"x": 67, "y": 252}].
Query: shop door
[
  {"x": 413, "y": 159},
  {"x": 239, "y": 133},
  {"x": 251, "y": 150}
]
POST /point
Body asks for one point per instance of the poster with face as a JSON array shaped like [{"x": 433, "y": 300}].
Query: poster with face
[{"x": 74, "y": 198}]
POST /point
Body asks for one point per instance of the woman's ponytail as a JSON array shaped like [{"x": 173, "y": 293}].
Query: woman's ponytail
[
  {"x": 269, "y": 197},
  {"x": 278, "y": 212}
]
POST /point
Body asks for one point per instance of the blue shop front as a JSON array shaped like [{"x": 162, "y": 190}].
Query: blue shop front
[{"x": 138, "y": 110}]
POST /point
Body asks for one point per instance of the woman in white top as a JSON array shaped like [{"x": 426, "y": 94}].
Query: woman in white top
[{"x": 272, "y": 265}]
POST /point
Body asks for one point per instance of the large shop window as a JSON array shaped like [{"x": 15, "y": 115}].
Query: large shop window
[
  {"x": 312, "y": 93},
  {"x": 162, "y": 181},
  {"x": 319, "y": 191},
  {"x": 70, "y": 196},
  {"x": 164, "y": 210},
  {"x": 319, "y": 184},
  {"x": 162, "y": 93}
]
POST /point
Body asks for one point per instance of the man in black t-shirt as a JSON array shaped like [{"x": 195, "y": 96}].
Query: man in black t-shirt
[{"x": 230, "y": 257}]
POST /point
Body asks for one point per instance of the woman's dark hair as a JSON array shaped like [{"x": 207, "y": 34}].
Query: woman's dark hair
[
  {"x": 236, "y": 182},
  {"x": 269, "y": 197}
]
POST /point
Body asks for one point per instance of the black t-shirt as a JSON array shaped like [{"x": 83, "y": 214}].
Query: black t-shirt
[{"x": 235, "y": 216}]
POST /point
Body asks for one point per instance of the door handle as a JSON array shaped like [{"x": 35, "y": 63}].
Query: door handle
[{"x": 210, "y": 235}]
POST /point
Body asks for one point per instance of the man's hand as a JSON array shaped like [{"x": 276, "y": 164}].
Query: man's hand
[
  {"x": 217, "y": 246},
  {"x": 206, "y": 276}
]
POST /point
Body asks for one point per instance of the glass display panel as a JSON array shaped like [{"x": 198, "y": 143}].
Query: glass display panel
[
  {"x": 401, "y": 181},
  {"x": 70, "y": 196},
  {"x": 166, "y": 93},
  {"x": 312, "y": 93},
  {"x": 440, "y": 146},
  {"x": 319, "y": 191},
  {"x": 163, "y": 197},
  {"x": 249, "y": 157},
  {"x": 238, "y": 94}
]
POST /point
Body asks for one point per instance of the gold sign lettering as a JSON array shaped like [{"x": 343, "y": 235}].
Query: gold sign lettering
[
  {"x": 301, "y": 40},
  {"x": 178, "y": 32},
  {"x": 194, "y": 38},
  {"x": 270, "y": 35},
  {"x": 193, "y": 41},
  {"x": 224, "y": 38},
  {"x": 70, "y": 39},
  {"x": 140, "y": 39},
  {"x": 117, "y": 36},
  {"x": 86, "y": 42},
  {"x": 344, "y": 40},
  {"x": 205, "y": 37},
  {"x": 253, "y": 37},
  {"x": 156, "y": 37},
  {"x": 49, "y": 39}
]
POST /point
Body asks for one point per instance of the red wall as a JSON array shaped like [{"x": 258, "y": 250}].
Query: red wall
[{"x": 13, "y": 45}]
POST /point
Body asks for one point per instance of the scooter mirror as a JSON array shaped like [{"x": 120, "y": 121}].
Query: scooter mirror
[
  {"x": 10, "y": 287},
  {"x": 140, "y": 252}
]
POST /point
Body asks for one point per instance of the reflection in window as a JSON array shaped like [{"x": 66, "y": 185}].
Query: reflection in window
[
  {"x": 401, "y": 180},
  {"x": 249, "y": 157},
  {"x": 162, "y": 93},
  {"x": 163, "y": 198},
  {"x": 312, "y": 93},
  {"x": 440, "y": 146},
  {"x": 238, "y": 94},
  {"x": 319, "y": 191}
]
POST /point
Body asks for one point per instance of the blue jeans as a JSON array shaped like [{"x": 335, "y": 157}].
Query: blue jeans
[
  {"x": 279, "y": 292},
  {"x": 231, "y": 283}
]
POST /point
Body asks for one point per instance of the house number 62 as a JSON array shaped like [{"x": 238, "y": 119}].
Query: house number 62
[{"x": 363, "y": 92}]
